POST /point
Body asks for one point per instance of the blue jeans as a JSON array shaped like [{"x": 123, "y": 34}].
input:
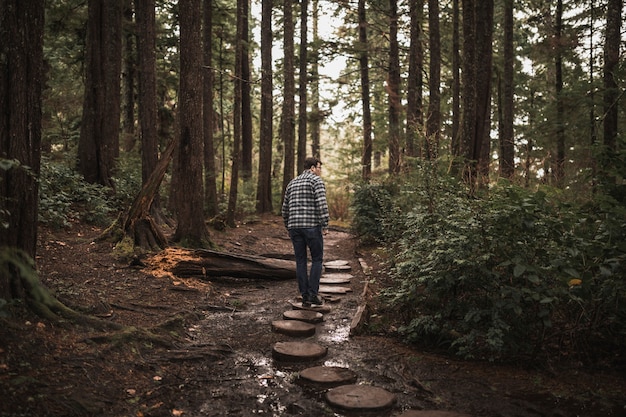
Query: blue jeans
[{"x": 310, "y": 238}]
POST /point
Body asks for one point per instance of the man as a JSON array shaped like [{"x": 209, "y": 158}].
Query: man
[{"x": 305, "y": 213}]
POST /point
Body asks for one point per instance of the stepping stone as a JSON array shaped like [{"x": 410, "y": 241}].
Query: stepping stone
[
  {"x": 294, "y": 328},
  {"x": 330, "y": 279},
  {"x": 328, "y": 376},
  {"x": 298, "y": 351},
  {"x": 320, "y": 309},
  {"x": 431, "y": 413},
  {"x": 360, "y": 398},
  {"x": 336, "y": 263},
  {"x": 308, "y": 316},
  {"x": 337, "y": 268},
  {"x": 332, "y": 289}
]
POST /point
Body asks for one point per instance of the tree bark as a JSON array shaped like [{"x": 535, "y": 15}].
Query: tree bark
[
  {"x": 246, "y": 111},
  {"x": 507, "y": 143},
  {"x": 559, "y": 160},
  {"x": 433, "y": 123},
  {"x": 264, "y": 185},
  {"x": 191, "y": 229},
  {"x": 393, "y": 90},
  {"x": 287, "y": 122},
  {"x": 414, "y": 114},
  {"x": 366, "y": 162},
  {"x": 302, "y": 83},
  {"x": 98, "y": 145},
  {"x": 209, "y": 118},
  {"x": 21, "y": 82},
  {"x": 207, "y": 263}
]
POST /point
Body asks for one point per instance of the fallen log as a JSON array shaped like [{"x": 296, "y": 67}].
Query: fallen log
[{"x": 202, "y": 263}]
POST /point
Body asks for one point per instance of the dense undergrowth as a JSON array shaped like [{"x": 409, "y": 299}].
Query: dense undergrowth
[{"x": 507, "y": 275}]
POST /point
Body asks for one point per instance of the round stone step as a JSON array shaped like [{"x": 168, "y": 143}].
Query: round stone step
[
  {"x": 308, "y": 316},
  {"x": 337, "y": 268},
  {"x": 431, "y": 413},
  {"x": 293, "y": 328},
  {"x": 332, "y": 289},
  {"x": 328, "y": 376},
  {"x": 320, "y": 309},
  {"x": 331, "y": 279},
  {"x": 298, "y": 351},
  {"x": 338, "y": 262},
  {"x": 360, "y": 398}
]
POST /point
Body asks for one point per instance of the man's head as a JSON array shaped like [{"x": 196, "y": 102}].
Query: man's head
[{"x": 314, "y": 165}]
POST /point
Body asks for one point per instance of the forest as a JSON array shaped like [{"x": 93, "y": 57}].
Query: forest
[{"x": 477, "y": 144}]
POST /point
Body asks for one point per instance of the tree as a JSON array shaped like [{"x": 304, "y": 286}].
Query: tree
[
  {"x": 559, "y": 161},
  {"x": 414, "y": 115},
  {"x": 21, "y": 82},
  {"x": 611, "y": 88},
  {"x": 302, "y": 83},
  {"x": 98, "y": 145},
  {"x": 246, "y": 111},
  {"x": 316, "y": 116},
  {"x": 366, "y": 161},
  {"x": 287, "y": 122},
  {"x": 264, "y": 186},
  {"x": 210, "y": 186},
  {"x": 129, "y": 76},
  {"x": 191, "y": 229},
  {"x": 507, "y": 141},
  {"x": 393, "y": 90},
  {"x": 433, "y": 122}
]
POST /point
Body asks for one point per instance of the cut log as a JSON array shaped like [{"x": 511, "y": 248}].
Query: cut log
[{"x": 207, "y": 263}]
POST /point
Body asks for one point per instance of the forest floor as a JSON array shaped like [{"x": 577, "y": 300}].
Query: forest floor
[{"x": 211, "y": 354}]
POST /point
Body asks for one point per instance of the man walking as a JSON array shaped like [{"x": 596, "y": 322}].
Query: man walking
[{"x": 305, "y": 213}]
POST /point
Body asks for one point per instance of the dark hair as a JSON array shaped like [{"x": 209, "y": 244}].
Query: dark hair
[{"x": 311, "y": 162}]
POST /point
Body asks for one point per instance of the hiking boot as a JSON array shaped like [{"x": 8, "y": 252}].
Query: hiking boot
[
  {"x": 315, "y": 300},
  {"x": 306, "y": 301}
]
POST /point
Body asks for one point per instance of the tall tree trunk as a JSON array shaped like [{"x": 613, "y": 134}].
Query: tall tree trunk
[
  {"x": 246, "y": 103},
  {"x": 456, "y": 87},
  {"x": 98, "y": 145},
  {"x": 287, "y": 122},
  {"x": 393, "y": 86},
  {"x": 209, "y": 118},
  {"x": 148, "y": 116},
  {"x": 366, "y": 162},
  {"x": 507, "y": 144},
  {"x": 191, "y": 229},
  {"x": 484, "y": 71},
  {"x": 129, "y": 76},
  {"x": 434, "y": 96},
  {"x": 264, "y": 187},
  {"x": 414, "y": 114},
  {"x": 611, "y": 89},
  {"x": 315, "y": 118},
  {"x": 237, "y": 117},
  {"x": 21, "y": 83},
  {"x": 468, "y": 131},
  {"x": 302, "y": 82},
  {"x": 559, "y": 162}
]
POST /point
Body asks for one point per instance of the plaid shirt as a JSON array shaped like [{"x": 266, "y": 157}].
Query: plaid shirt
[{"x": 305, "y": 203}]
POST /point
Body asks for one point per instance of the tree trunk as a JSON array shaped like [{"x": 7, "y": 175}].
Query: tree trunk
[
  {"x": 484, "y": 71},
  {"x": 414, "y": 114},
  {"x": 147, "y": 102},
  {"x": 455, "y": 147},
  {"x": 366, "y": 162},
  {"x": 210, "y": 185},
  {"x": 393, "y": 86},
  {"x": 287, "y": 123},
  {"x": 433, "y": 123},
  {"x": 98, "y": 145},
  {"x": 237, "y": 120},
  {"x": 507, "y": 142},
  {"x": 264, "y": 186},
  {"x": 559, "y": 162},
  {"x": 21, "y": 82},
  {"x": 302, "y": 82},
  {"x": 191, "y": 229},
  {"x": 316, "y": 116},
  {"x": 611, "y": 88},
  {"x": 129, "y": 76},
  {"x": 468, "y": 132},
  {"x": 207, "y": 263},
  {"x": 246, "y": 111}
]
